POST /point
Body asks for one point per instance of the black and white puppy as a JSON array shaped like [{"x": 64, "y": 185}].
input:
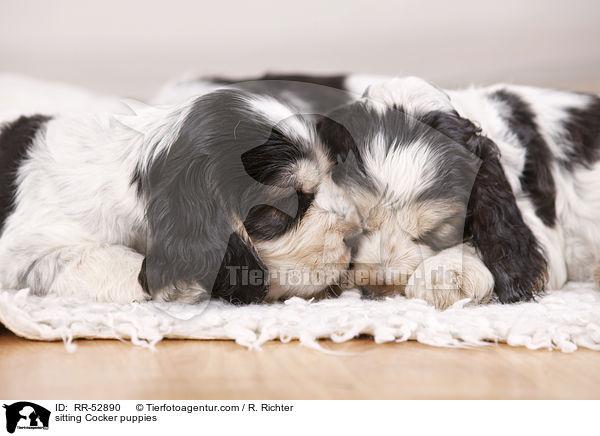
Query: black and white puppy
[
  {"x": 226, "y": 194},
  {"x": 467, "y": 192}
]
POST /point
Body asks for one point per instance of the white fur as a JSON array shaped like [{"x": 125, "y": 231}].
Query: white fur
[
  {"x": 77, "y": 212},
  {"x": 359, "y": 83},
  {"x": 451, "y": 275},
  {"x": 405, "y": 173},
  {"x": 281, "y": 114},
  {"x": 572, "y": 247},
  {"x": 412, "y": 93}
]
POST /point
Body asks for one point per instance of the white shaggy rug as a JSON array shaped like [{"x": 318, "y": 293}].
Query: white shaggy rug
[{"x": 565, "y": 319}]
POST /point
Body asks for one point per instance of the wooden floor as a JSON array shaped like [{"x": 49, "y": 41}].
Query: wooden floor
[{"x": 183, "y": 369}]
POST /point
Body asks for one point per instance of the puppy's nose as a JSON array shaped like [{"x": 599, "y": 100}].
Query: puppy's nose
[{"x": 352, "y": 242}]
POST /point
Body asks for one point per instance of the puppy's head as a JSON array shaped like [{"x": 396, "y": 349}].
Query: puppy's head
[
  {"x": 242, "y": 204},
  {"x": 425, "y": 179}
]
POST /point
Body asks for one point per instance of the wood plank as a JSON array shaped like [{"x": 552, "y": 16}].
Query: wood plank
[{"x": 185, "y": 369}]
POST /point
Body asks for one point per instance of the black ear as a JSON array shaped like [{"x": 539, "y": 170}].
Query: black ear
[
  {"x": 197, "y": 194},
  {"x": 194, "y": 242},
  {"x": 336, "y": 137},
  {"x": 341, "y": 143},
  {"x": 494, "y": 223},
  {"x": 242, "y": 277}
]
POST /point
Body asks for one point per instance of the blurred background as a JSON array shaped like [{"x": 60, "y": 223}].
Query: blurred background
[{"x": 130, "y": 48}]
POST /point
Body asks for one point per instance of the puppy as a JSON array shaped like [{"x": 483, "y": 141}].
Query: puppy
[
  {"x": 228, "y": 194},
  {"x": 465, "y": 193}
]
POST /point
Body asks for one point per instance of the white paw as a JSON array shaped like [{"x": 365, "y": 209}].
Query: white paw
[
  {"x": 101, "y": 273},
  {"x": 450, "y": 276}
]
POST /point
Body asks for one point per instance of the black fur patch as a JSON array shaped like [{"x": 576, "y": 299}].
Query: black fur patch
[
  {"x": 270, "y": 163},
  {"x": 342, "y": 144},
  {"x": 336, "y": 81},
  {"x": 266, "y": 222},
  {"x": 16, "y": 138},
  {"x": 331, "y": 81},
  {"x": 583, "y": 134},
  {"x": 536, "y": 179},
  {"x": 143, "y": 278},
  {"x": 242, "y": 278}
]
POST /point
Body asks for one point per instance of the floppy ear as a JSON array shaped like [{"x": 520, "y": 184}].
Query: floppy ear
[
  {"x": 242, "y": 277},
  {"x": 333, "y": 130},
  {"x": 197, "y": 192},
  {"x": 194, "y": 243},
  {"x": 494, "y": 223},
  {"x": 335, "y": 136},
  {"x": 507, "y": 245}
]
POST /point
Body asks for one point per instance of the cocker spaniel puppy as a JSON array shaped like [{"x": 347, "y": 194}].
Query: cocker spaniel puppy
[
  {"x": 229, "y": 194},
  {"x": 465, "y": 193}
]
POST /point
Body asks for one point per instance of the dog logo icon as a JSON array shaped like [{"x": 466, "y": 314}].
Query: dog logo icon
[{"x": 26, "y": 415}]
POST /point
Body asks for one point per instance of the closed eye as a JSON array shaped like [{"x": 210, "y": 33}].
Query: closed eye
[{"x": 446, "y": 234}]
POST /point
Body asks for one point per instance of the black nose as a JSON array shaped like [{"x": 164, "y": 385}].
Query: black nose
[{"x": 352, "y": 242}]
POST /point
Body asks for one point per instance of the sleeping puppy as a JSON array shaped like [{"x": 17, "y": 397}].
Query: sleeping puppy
[
  {"x": 228, "y": 194},
  {"x": 466, "y": 193}
]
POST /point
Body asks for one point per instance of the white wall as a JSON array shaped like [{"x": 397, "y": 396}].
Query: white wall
[{"x": 131, "y": 47}]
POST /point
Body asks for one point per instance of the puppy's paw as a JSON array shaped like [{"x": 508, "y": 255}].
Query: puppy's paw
[
  {"x": 450, "y": 276},
  {"x": 106, "y": 273}
]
